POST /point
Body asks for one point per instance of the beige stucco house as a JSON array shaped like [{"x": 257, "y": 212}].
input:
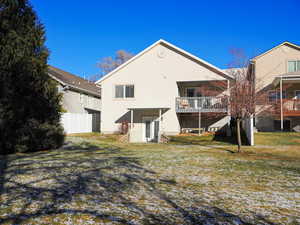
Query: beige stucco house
[
  {"x": 79, "y": 96},
  {"x": 166, "y": 90},
  {"x": 163, "y": 90},
  {"x": 277, "y": 72}
]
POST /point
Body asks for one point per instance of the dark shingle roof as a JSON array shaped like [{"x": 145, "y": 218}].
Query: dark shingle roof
[{"x": 73, "y": 81}]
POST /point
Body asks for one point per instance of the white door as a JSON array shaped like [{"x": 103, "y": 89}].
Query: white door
[{"x": 150, "y": 128}]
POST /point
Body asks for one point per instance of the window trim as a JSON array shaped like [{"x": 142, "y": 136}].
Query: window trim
[{"x": 124, "y": 91}]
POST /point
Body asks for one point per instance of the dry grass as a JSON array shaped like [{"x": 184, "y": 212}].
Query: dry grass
[
  {"x": 96, "y": 180},
  {"x": 277, "y": 138}
]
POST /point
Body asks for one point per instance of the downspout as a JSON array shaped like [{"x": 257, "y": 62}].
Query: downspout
[{"x": 281, "y": 107}]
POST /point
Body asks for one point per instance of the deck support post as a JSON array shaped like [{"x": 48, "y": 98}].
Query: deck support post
[
  {"x": 131, "y": 119},
  {"x": 281, "y": 106},
  {"x": 159, "y": 127},
  {"x": 199, "y": 122}
]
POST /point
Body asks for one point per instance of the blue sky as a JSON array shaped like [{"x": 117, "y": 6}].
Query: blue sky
[{"x": 80, "y": 33}]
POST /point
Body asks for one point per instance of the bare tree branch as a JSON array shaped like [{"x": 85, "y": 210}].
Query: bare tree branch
[{"x": 108, "y": 64}]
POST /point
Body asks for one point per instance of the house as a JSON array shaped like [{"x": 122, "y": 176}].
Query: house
[
  {"x": 79, "y": 96},
  {"x": 277, "y": 72},
  {"x": 164, "y": 90}
]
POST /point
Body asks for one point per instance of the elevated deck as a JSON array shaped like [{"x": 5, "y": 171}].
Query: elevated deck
[
  {"x": 291, "y": 107},
  {"x": 201, "y": 104}
]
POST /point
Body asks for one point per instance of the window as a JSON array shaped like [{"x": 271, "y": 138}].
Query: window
[
  {"x": 193, "y": 92},
  {"x": 119, "y": 91},
  {"x": 275, "y": 95},
  {"x": 124, "y": 91},
  {"x": 190, "y": 92},
  {"x": 294, "y": 66},
  {"x": 129, "y": 92}
]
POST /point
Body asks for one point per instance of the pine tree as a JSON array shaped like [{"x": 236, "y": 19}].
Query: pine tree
[{"x": 29, "y": 101}]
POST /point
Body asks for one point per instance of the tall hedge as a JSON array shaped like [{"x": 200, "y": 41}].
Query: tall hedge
[{"x": 29, "y": 101}]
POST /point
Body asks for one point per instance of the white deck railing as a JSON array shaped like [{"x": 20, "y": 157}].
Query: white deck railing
[{"x": 201, "y": 104}]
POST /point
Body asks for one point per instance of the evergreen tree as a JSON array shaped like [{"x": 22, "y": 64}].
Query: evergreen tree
[{"x": 29, "y": 101}]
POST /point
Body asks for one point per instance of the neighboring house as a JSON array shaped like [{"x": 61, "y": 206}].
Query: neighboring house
[
  {"x": 79, "y": 95},
  {"x": 163, "y": 90},
  {"x": 277, "y": 71}
]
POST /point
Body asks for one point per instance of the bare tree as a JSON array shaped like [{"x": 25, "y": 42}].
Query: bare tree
[
  {"x": 247, "y": 97},
  {"x": 108, "y": 64},
  {"x": 241, "y": 100}
]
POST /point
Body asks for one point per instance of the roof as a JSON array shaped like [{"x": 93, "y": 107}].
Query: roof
[
  {"x": 73, "y": 81},
  {"x": 161, "y": 41},
  {"x": 277, "y": 46}
]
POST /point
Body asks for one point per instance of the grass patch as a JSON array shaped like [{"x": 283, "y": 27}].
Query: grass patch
[
  {"x": 95, "y": 179},
  {"x": 277, "y": 138},
  {"x": 261, "y": 138},
  {"x": 208, "y": 139}
]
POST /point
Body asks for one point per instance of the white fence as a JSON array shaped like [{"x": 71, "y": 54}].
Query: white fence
[
  {"x": 249, "y": 129},
  {"x": 77, "y": 122}
]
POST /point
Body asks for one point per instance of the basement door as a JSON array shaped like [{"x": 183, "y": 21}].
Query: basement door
[{"x": 150, "y": 129}]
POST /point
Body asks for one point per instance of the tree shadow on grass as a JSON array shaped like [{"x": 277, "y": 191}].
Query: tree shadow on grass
[
  {"x": 205, "y": 140},
  {"x": 209, "y": 142},
  {"x": 83, "y": 182}
]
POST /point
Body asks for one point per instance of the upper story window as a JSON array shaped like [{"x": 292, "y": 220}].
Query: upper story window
[
  {"x": 294, "y": 66},
  {"x": 124, "y": 91}
]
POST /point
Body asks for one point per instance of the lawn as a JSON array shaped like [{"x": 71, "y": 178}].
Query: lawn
[
  {"x": 94, "y": 179},
  {"x": 204, "y": 140},
  {"x": 277, "y": 138},
  {"x": 261, "y": 138}
]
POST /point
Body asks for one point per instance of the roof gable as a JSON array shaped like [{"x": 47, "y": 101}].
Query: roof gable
[
  {"x": 172, "y": 47},
  {"x": 276, "y": 47}
]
